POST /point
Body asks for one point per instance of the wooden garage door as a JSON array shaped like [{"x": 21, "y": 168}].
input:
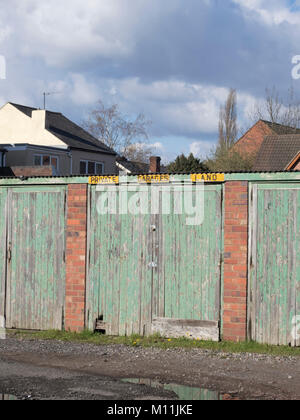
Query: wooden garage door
[
  {"x": 36, "y": 258},
  {"x": 147, "y": 266},
  {"x": 274, "y": 288}
]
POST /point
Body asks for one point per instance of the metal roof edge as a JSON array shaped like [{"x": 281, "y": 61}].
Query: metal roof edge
[{"x": 180, "y": 177}]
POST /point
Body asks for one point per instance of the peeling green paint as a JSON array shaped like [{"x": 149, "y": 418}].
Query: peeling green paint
[
  {"x": 275, "y": 269},
  {"x": 36, "y": 270},
  {"x": 147, "y": 266}
]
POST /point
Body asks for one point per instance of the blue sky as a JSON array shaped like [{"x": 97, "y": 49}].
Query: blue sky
[{"x": 173, "y": 60}]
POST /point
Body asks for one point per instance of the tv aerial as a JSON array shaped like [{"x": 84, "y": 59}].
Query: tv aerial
[{"x": 45, "y": 94}]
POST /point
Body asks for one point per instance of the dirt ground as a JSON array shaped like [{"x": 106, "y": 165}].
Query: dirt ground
[{"x": 59, "y": 370}]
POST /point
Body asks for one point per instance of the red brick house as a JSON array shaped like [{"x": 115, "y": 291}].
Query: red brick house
[
  {"x": 251, "y": 142},
  {"x": 272, "y": 146}
]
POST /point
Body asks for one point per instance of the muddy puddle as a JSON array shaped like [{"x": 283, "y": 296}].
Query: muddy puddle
[{"x": 184, "y": 393}]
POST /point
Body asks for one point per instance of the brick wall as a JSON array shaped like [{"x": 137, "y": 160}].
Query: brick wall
[
  {"x": 76, "y": 249},
  {"x": 32, "y": 171},
  {"x": 251, "y": 142},
  {"x": 235, "y": 261},
  {"x": 154, "y": 164}
]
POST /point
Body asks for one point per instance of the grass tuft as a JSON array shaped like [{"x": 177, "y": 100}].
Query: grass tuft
[{"x": 158, "y": 342}]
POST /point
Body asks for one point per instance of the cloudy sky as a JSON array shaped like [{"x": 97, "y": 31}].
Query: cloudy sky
[{"x": 173, "y": 60}]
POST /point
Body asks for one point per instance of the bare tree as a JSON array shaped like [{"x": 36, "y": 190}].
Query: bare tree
[
  {"x": 228, "y": 122},
  {"x": 277, "y": 110},
  {"x": 139, "y": 152},
  {"x": 116, "y": 130}
]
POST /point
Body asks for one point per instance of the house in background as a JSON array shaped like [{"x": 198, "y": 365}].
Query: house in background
[
  {"x": 30, "y": 138},
  {"x": 279, "y": 153},
  {"x": 251, "y": 142},
  {"x": 129, "y": 167},
  {"x": 136, "y": 168}
]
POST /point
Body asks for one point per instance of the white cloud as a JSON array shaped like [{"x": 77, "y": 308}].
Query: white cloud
[
  {"x": 201, "y": 148},
  {"x": 75, "y": 89},
  {"x": 64, "y": 32},
  {"x": 177, "y": 106},
  {"x": 83, "y": 92},
  {"x": 157, "y": 146},
  {"x": 272, "y": 13}
]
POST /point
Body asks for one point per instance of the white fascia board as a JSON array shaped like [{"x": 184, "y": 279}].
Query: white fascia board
[
  {"x": 23, "y": 147},
  {"x": 123, "y": 168}
]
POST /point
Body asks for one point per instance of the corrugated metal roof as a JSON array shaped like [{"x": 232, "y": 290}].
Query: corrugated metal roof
[{"x": 137, "y": 174}]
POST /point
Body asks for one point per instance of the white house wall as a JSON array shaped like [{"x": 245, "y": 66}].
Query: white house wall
[{"x": 16, "y": 127}]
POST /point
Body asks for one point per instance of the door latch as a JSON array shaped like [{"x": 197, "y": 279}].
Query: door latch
[{"x": 152, "y": 265}]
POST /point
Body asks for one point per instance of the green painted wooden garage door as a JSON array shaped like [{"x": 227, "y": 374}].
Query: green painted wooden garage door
[
  {"x": 35, "y": 258},
  {"x": 189, "y": 269},
  {"x": 274, "y": 289},
  {"x": 147, "y": 266}
]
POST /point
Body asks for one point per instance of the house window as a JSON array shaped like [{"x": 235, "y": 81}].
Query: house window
[
  {"x": 38, "y": 160},
  {"x": 83, "y": 169},
  {"x": 54, "y": 162},
  {"x": 88, "y": 167},
  {"x": 46, "y": 160}
]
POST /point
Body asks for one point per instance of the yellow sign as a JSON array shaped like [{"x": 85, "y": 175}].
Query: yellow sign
[
  {"x": 104, "y": 180},
  {"x": 208, "y": 177},
  {"x": 154, "y": 179}
]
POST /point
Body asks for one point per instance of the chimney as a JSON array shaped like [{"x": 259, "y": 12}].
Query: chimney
[
  {"x": 155, "y": 165},
  {"x": 39, "y": 119}
]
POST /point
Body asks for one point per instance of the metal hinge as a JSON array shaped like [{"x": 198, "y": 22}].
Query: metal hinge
[{"x": 221, "y": 259}]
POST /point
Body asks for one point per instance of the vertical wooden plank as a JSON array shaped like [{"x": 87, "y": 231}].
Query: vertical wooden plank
[
  {"x": 297, "y": 269},
  {"x": 3, "y": 249},
  {"x": 88, "y": 256},
  {"x": 253, "y": 285},
  {"x": 296, "y": 341},
  {"x": 293, "y": 249},
  {"x": 8, "y": 266}
]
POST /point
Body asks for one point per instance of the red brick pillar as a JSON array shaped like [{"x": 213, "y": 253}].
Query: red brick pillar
[
  {"x": 76, "y": 257},
  {"x": 235, "y": 261}
]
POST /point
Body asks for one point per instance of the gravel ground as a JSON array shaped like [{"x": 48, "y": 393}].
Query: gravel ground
[{"x": 59, "y": 370}]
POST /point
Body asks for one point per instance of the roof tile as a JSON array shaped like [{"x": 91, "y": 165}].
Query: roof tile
[{"x": 277, "y": 152}]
